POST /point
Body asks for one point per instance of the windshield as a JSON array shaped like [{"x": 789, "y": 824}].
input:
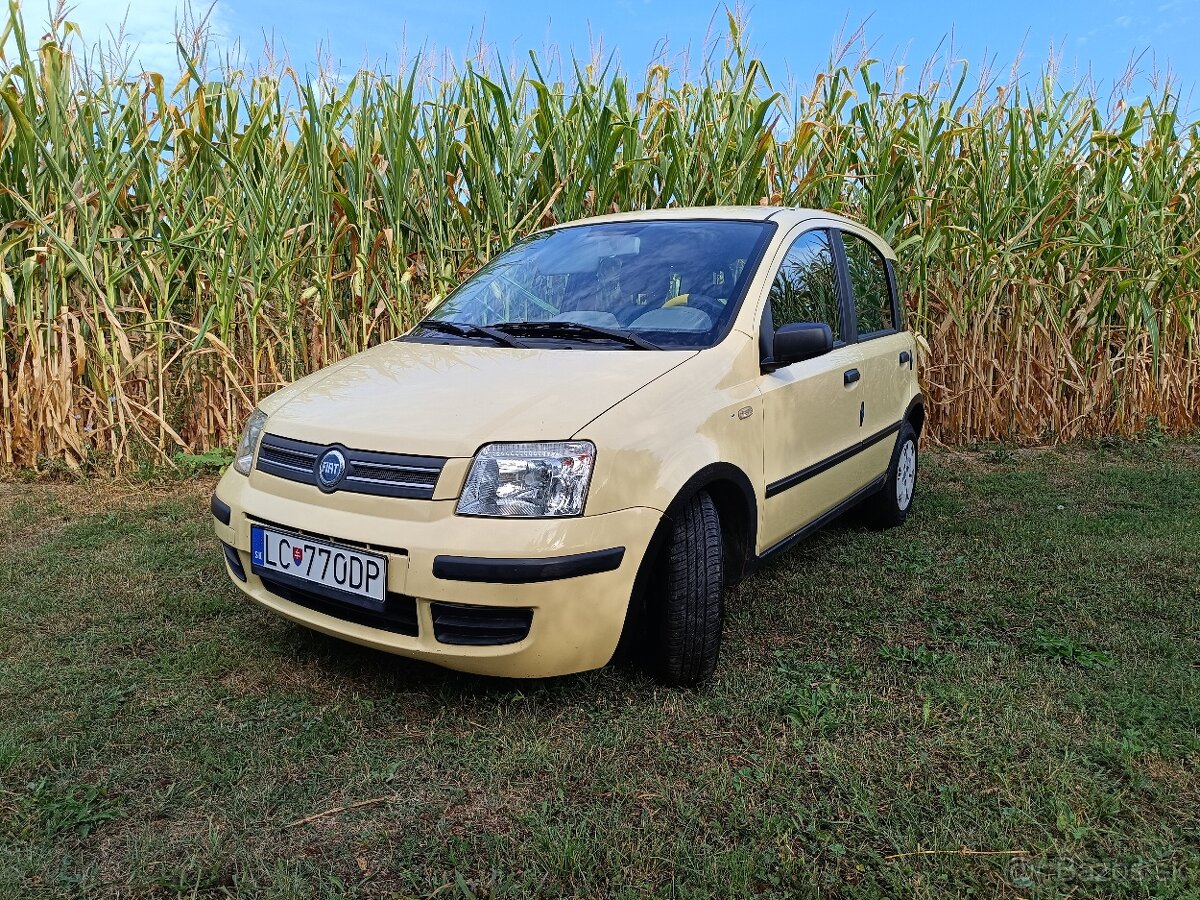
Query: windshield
[{"x": 632, "y": 285}]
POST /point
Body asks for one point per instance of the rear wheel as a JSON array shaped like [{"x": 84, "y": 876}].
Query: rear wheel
[
  {"x": 687, "y": 613},
  {"x": 890, "y": 507}
]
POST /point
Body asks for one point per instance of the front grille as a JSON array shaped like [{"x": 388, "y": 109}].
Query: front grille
[
  {"x": 367, "y": 472},
  {"x": 394, "y": 473},
  {"x": 275, "y": 455},
  {"x": 457, "y": 623},
  {"x": 399, "y": 613}
]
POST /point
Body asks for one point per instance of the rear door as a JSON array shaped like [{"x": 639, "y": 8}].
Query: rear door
[
  {"x": 885, "y": 348},
  {"x": 810, "y": 408}
]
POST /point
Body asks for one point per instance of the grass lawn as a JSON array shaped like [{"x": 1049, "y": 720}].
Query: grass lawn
[{"x": 1000, "y": 699}]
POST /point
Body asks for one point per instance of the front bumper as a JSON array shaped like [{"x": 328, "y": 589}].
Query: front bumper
[{"x": 435, "y": 557}]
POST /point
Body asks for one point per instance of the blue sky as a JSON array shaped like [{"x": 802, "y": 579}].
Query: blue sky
[{"x": 1096, "y": 36}]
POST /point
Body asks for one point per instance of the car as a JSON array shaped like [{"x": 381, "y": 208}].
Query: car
[{"x": 584, "y": 443}]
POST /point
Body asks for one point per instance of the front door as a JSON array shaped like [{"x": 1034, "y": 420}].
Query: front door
[{"x": 811, "y": 409}]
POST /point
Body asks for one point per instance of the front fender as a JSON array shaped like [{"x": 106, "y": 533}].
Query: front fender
[{"x": 706, "y": 412}]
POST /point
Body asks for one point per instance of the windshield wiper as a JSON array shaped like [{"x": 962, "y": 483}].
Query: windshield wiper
[
  {"x": 575, "y": 330},
  {"x": 467, "y": 330}
]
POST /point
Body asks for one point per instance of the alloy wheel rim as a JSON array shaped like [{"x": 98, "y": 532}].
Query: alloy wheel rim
[{"x": 906, "y": 474}]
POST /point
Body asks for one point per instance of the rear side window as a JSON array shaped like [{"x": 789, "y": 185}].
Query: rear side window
[
  {"x": 805, "y": 289},
  {"x": 873, "y": 307}
]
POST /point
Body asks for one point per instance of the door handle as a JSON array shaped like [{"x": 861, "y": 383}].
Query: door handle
[
  {"x": 851, "y": 376},
  {"x": 905, "y": 358}
]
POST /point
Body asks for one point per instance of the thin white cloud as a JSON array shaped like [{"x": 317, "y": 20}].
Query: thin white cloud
[{"x": 148, "y": 27}]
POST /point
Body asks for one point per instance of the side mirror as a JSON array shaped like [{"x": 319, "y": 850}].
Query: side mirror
[{"x": 796, "y": 342}]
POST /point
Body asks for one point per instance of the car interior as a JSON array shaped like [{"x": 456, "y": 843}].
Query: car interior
[{"x": 684, "y": 289}]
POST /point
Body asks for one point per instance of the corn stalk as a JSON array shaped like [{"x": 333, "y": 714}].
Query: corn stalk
[{"x": 169, "y": 253}]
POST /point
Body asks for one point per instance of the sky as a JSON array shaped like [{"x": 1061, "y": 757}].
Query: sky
[{"x": 793, "y": 37}]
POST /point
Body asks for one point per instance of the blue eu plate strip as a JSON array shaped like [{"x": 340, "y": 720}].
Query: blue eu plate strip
[{"x": 256, "y": 546}]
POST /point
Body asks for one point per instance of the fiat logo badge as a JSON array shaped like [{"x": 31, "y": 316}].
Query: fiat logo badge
[{"x": 331, "y": 466}]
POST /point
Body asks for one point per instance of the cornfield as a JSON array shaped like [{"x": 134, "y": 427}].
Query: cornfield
[{"x": 169, "y": 253}]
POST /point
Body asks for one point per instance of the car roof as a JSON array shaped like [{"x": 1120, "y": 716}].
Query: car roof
[{"x": 786, "y": 216}]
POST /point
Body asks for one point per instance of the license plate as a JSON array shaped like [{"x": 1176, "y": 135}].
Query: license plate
[{"x": 318, "y": 566}]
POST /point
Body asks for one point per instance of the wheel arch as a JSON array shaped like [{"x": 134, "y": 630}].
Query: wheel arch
[
  {"x": 915, "y": 414},
  {"x": 737, "y": 507},
  {"x": 733, "y": 494}
]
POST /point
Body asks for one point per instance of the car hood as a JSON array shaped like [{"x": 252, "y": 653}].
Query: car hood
[{"x": 448, "y": 399}]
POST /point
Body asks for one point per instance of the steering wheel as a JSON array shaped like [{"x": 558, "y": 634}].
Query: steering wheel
[{"x": 703, "y": 302}]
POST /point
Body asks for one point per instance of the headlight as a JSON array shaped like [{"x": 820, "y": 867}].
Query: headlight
[
  {"x": 243, "y": 460},
  {"x": 544, "y": 479}
]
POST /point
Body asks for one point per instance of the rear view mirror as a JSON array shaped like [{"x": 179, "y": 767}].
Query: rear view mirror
[{"x": 798, "y": 341}]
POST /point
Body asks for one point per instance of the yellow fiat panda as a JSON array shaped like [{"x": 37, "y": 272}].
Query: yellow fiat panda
[{"x": 588, "y": 439}]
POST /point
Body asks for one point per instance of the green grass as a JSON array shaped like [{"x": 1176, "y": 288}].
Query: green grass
[{"x": 1015, "y": 673}]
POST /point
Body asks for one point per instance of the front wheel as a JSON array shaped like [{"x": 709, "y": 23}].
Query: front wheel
[
  {"x": 890, "y": 506},
  {"x": 688, "y": 612}
]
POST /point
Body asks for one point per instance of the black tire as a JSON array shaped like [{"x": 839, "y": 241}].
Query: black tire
[
  {"x": 889, "y": 507},
  {"x": 687, "y": 607}
]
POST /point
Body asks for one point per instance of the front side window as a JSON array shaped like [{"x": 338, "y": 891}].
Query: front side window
[
  {"x": 666, "y": 284},
  {"x": 869, "y": 280},
  {"x": 805, "y": 289}
]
